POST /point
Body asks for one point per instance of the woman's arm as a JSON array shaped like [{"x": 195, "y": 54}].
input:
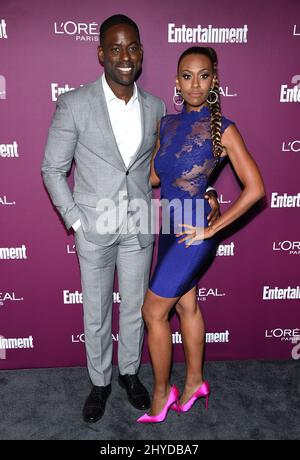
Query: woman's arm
[
  {"x": 154, "y": 179},
  {"x": 248, "y": 173}
]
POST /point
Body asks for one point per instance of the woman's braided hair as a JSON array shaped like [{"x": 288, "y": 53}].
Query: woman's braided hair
[{"x": 216, "y": 115}]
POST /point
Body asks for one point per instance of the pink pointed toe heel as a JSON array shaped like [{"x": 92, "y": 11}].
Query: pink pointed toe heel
[
  {"x": 173, "y": 398},
  {"x": 201, "y": 392}
]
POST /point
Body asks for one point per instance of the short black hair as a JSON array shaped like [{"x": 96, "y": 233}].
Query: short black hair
[{"x": 115, "y": 20}]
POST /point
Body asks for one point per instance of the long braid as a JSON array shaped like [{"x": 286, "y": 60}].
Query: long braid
[
  {"x": 216, "y": 120},
  {"x": 216, "y": 115}
]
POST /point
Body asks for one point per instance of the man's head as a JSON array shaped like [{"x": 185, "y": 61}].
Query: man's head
[
  {"x": 116, "y": 20},
  {"x": 120, "y": 50}
]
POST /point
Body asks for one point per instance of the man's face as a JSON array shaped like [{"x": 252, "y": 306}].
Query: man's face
[{"x": 121, "y": 54}]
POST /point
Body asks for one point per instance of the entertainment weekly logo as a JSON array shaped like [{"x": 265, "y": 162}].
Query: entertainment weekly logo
[
  {"x": 206, "y": 34},
  {"x": 291, "y": 94},
  {"x": 75, "y": 298},
  {"x": 287, "y": 247},
  {"x": 225, "y": 249},
  {"x": 14, "y": 343},
  {"x": 9, "y": 150},
  {"x": 13, "y": 253},
  {"x": 276, "y": 293},
  {"x": 57, "y": 90},
  {"x": 210, "y": 337},
  {"x": 80, "y": 31},
  {"x": 4, "y": 201},
  {"x": 6, "y": 297},
  {"x": 285, "y": 200},
  {"x": 3, "y": 33}
]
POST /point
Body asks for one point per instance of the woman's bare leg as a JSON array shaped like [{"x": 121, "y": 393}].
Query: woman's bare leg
[
  {"x": 193, "y": 337},
  {"x": 155, "y": 313}
]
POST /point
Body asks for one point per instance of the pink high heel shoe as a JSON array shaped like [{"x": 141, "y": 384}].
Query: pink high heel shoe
[
  {"x": 203, "y": 391},
  {"x": 173, "y": 398}
]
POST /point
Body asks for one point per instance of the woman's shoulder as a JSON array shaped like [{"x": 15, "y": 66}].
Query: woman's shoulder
[
  {"x": 225, "y": 122},
  {"x": 170, "y": 116},
  {"x": 168, "y": 120}
]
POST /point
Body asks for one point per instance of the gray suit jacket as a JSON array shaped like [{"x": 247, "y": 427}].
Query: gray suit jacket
[{"x": 81, "y": 130}]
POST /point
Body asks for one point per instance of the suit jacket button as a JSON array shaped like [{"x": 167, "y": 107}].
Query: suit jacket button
[{"x": 127, "y": 172}]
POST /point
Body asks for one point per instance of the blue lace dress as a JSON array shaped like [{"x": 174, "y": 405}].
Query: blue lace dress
[{"x": 184, "y": 164}]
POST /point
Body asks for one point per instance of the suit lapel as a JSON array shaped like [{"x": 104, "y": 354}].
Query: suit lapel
[
  {"x": 98, "y": 104},
  {"x": 144, "y": 110}
]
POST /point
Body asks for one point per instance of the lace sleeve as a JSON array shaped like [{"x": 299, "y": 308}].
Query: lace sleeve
[{"x": 225, "y": 123}]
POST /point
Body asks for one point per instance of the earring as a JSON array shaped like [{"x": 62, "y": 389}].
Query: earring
[
  {"x": 212, "y": 94},
  {"x": 180, "y": 99}
]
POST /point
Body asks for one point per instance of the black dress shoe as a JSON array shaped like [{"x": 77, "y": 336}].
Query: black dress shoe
[
  {"x": 94, "y": 406},
  {"x": 137, "y": 394}
]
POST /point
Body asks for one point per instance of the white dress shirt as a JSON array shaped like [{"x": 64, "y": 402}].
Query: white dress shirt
[{"x": 125, "y": 120}]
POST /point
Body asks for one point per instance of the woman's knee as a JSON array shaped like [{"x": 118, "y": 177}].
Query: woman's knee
[
  {"x": 145, "y": 312},
  {"x": 179, "y": 308},
  {"x": 153, "y": 313},
  {"x": 187, "y": 308}
]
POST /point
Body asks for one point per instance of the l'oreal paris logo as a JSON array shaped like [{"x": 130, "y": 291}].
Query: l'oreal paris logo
[
  {"x": 82, "y": 31},
  {"x": 291, "y": 146}
]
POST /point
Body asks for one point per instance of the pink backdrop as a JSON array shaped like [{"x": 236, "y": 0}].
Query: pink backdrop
[{"x": 45, "y": 46}]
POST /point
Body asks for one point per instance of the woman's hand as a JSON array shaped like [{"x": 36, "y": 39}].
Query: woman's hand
[
  {"x": 212, "y": 199},
  {"x": 191, "y": 234}
]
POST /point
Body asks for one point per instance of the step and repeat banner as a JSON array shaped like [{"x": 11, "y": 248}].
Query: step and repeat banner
[{"x": 250, "y": 294}]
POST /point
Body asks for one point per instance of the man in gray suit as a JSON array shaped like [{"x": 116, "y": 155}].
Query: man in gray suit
[{"x": 109, "y": 128}]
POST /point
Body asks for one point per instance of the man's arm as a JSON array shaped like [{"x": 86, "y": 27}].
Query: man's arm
[{"x": 59, "y": 154}]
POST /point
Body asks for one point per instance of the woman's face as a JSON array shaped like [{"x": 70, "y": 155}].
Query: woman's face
[{"x": 194, "y": 80}]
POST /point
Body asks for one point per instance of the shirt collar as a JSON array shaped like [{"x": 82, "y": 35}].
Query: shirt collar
[{"x": 110, "y": 95}]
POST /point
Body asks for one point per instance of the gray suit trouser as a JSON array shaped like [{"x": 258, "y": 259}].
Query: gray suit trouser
[{"x": 97, "y": 267}]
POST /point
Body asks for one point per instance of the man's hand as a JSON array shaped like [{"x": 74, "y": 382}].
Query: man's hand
[{"x": 215, "y": 207}]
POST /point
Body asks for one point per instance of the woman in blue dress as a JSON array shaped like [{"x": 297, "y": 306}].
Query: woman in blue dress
[{"x": 190, "y": 146}]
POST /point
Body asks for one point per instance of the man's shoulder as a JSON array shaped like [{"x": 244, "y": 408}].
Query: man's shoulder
[
  {"x": 150, "y": 97},
  {"x": 80, "y": 94}
]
